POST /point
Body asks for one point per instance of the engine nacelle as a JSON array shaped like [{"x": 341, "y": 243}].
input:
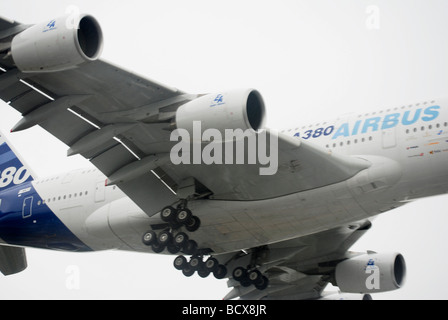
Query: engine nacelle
[
  {"x": 57, "y": 45},
  {"x": 369, "y": 273},
  {"x": 237, "y": 109},
  {"x": 346, "y": 296}
]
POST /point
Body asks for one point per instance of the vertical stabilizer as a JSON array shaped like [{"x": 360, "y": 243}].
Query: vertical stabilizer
[{"x": 13, "y": 170}]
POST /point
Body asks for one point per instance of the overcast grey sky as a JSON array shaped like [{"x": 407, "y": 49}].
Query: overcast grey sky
[{"x": 311, "y": 61}]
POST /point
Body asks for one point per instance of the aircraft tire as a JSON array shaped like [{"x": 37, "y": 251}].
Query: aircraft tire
[
  {"x": 263, "y": 284},
  {"x": 173, "y": 249},
  {"x": 157, "y": 247},
  {"x": 149, "y": 237},
  {"x": 220, "y": 272},
  {"x": 196, "y": 263},
  {"x": 168, "y": 214},
  {"x": 180, "y": 239},
  {"x": 211, "y": 264},
  {"x": 193, "y": 224},
  {"x": 190, "y": 247},
  {"x": 187, "y": 271},
  {"x": 165, "y": 238},
  {"x": 255, "y": 277},
  {"x": 203, "y": 273},
  {"x": 180, "y": 262},
  {"x": 183, "y": 215},
  {"x": 239, "y": 274}
]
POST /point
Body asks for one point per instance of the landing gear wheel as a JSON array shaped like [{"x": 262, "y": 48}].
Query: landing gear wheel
[
  {"x": 263, "y": 284},
  {"x": 193, "y": 224},
  {"x": 180, "y": 262},
  {"x": 190, "y": 247},
  {"x": 173, "y": 249},
  {"x": 211, "y": 264},
  {"x": 195, "y": 263},
  {"x": 149, "y": 237},
  {"x": 168, "y": 214},
  {"x": 157, "y": 247},
  {"x": 183, "y": 216},
  {"x": 187, "y": 271},
  {"x": 165, "y": 238},
  {"x": 220, "y": 272},
  {"x": 255, "y": 277},
  {"x": 180, "y": 239},
  {"x": 203, "y": 273},
  {"x": 245, "y": 282},
  {"x": 239, "y": 274}
]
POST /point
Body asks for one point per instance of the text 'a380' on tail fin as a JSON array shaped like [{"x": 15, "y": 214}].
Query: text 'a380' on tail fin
[{"x": 13, "y": 170}]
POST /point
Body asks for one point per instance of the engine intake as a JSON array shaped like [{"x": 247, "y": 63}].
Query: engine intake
[{"x": 57, "y": 45}]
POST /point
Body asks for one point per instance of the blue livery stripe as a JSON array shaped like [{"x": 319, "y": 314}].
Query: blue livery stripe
[
  {"x": 26, "y": 221},
  {"x": 6, "y": 157},
  {"x": 12, "y": 170}
]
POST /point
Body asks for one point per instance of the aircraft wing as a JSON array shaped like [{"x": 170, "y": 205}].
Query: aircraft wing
[
  {"x": 121, "y": 122},
  {"x": 301, "y": 268}
]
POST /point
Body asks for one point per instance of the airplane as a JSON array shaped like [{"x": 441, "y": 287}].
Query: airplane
[{"x": 284, "y": 233}]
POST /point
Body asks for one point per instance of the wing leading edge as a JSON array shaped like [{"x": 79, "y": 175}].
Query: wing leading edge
[{"x": 119, "y": 120}]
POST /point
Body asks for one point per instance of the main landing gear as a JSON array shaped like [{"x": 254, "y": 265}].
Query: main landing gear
[
  {"x": 251, "y": 275},
  {"x": 204, "y": 268},
  {"x": 170, "y": 237},
  {"x": 175, "y": 241},
  {"x": 247, "y": 277}
]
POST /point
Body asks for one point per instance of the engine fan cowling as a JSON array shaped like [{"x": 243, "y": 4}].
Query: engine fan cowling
[
  {"x": 346, "y": 296},
  {"x": 369, "y": 273},
  {"x": 57, "y": 45},
  {"x": 237, "y": 109}
]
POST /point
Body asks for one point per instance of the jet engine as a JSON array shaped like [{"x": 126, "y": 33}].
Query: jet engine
[
  {"x": 346, "y": 296},
  {"x": 372, "y": 272},
  {"x": 237, "y": 109},
  {"x": 57, "y": 45}
]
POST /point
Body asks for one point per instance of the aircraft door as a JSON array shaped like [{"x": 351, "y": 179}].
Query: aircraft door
[
  {"x": 389, "y": 138},
  {"x": 27, "y": 207},
  {"x": 100, "y": 190}
]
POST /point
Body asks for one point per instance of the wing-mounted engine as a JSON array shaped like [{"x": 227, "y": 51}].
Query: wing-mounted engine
[
  {"x": 370, "y": 273},
  {"x": 57, "y": 45},
  {"x": 346, "y": 296},
  {"x": 237, "y": 109}
]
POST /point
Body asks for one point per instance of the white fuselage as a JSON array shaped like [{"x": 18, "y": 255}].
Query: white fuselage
[{"x": 407, "y": 146}]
